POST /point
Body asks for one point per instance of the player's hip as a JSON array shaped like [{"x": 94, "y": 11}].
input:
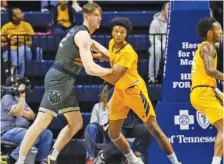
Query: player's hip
[
  {"x": 55, "y": 79},
  {"x": 202, "y": 92},
  {"x": 135, "y": 89},
  {"x": 205, "y": 97}
]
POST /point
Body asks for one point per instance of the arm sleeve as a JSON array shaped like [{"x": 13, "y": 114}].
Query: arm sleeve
[{"x": 127, "y": 59}]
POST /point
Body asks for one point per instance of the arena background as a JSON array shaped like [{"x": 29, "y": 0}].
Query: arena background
[{"x": 189, "y": 131}]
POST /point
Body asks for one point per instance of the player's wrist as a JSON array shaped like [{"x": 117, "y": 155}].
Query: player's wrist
[{"x": 110, "y": 70}]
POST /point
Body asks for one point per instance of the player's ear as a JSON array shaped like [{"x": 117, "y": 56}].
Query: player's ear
[
  {"x": 112, "y": 33},
  {"x": 85, "y": 16},
  {"x": 210, "y": 33},
  {"x": 126, "y": 34}
]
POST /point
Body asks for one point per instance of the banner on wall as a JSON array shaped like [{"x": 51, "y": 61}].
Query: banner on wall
[
  {"x": 190, "y": 133},
  {"x": 181, "y": 43}
]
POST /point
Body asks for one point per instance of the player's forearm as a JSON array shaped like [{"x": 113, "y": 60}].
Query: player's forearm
[
  {"x": 215, "y": 74},
  {"x": 100, "y": 56},
  {"x": 111, "y": 78},
  {"x": 101, "y": 48},
  {"x": 96, "y": 70}
]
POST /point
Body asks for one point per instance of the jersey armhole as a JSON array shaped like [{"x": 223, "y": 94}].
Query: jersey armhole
[{"x": 200, "y": 50}]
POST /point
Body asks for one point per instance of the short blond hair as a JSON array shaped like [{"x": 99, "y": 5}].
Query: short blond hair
[{"x": 89, "y": 8}]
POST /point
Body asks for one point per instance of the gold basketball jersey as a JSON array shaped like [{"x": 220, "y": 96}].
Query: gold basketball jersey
[{"x": 198, "y": 72}]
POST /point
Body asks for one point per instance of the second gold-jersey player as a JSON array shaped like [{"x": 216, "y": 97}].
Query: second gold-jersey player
[{"x": 204, "y": 96}]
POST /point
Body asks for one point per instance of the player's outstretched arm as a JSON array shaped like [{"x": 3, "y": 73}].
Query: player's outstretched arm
[
  {"x": 117, "y": 72},
  {"x": 83, "y": 41},
  {"x": 207, "y": 53},
  {"x": 101, "y": 51}
]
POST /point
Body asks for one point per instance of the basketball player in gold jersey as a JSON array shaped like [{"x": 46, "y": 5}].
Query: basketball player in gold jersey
[
  {"x": 130, "y": 92},
  {"x": 204, "y": 96}
]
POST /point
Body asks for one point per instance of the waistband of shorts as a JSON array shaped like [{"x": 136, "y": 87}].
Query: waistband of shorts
[
  {"x": 133, "y": 85},
  {"x": 202, "y": 86},
  {"x": 63, "y": 70}
]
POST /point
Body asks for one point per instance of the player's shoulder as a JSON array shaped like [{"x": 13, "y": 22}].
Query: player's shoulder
[
  {"x": 206, "y": 46},
  {"x": 129, "y": 49},
  {"x": 83, "y": 32},
  {"x": 82, "y": 35}
]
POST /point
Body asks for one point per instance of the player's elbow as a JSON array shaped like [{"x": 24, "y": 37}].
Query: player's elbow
[{"x": 90, "y": 69}]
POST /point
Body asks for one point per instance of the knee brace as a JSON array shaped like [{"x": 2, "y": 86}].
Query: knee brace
[{"x": 114, "y": 140}]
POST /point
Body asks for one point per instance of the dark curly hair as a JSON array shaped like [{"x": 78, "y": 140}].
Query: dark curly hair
[
  {"x": 122, "y": 21},
  {"x": 204, "y": 25}
]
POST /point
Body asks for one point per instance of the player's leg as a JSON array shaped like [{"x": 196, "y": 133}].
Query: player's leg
[
  {"x": 161, "y": 138},
  {"x": 117, "y": 137},
  {"x": 40, "y": 124},
  {"x": 140, "y": 103},
  {"x": 208, "y": 102},
  {"x": 118, "y": 112},
  {"x": 218, "y": 148},
  {"x": 74, "y": 124},
  {"x": 121, "y": 142},
  {"x": 215, "y": 115}
]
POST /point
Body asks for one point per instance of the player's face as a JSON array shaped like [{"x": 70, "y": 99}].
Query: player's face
[
  {"x": 217, "y": 32},
  {"x": 95, "y": 19},
  {"x": 119, "y": 33}
]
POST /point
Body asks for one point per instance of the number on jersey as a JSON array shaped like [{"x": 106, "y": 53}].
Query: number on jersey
[{"x": 65, "y": 38}]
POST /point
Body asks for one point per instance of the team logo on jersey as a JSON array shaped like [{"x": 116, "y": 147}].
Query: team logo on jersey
[
  {"x": 55, "y": 97},
  {"x": 202, "y": 120}
]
